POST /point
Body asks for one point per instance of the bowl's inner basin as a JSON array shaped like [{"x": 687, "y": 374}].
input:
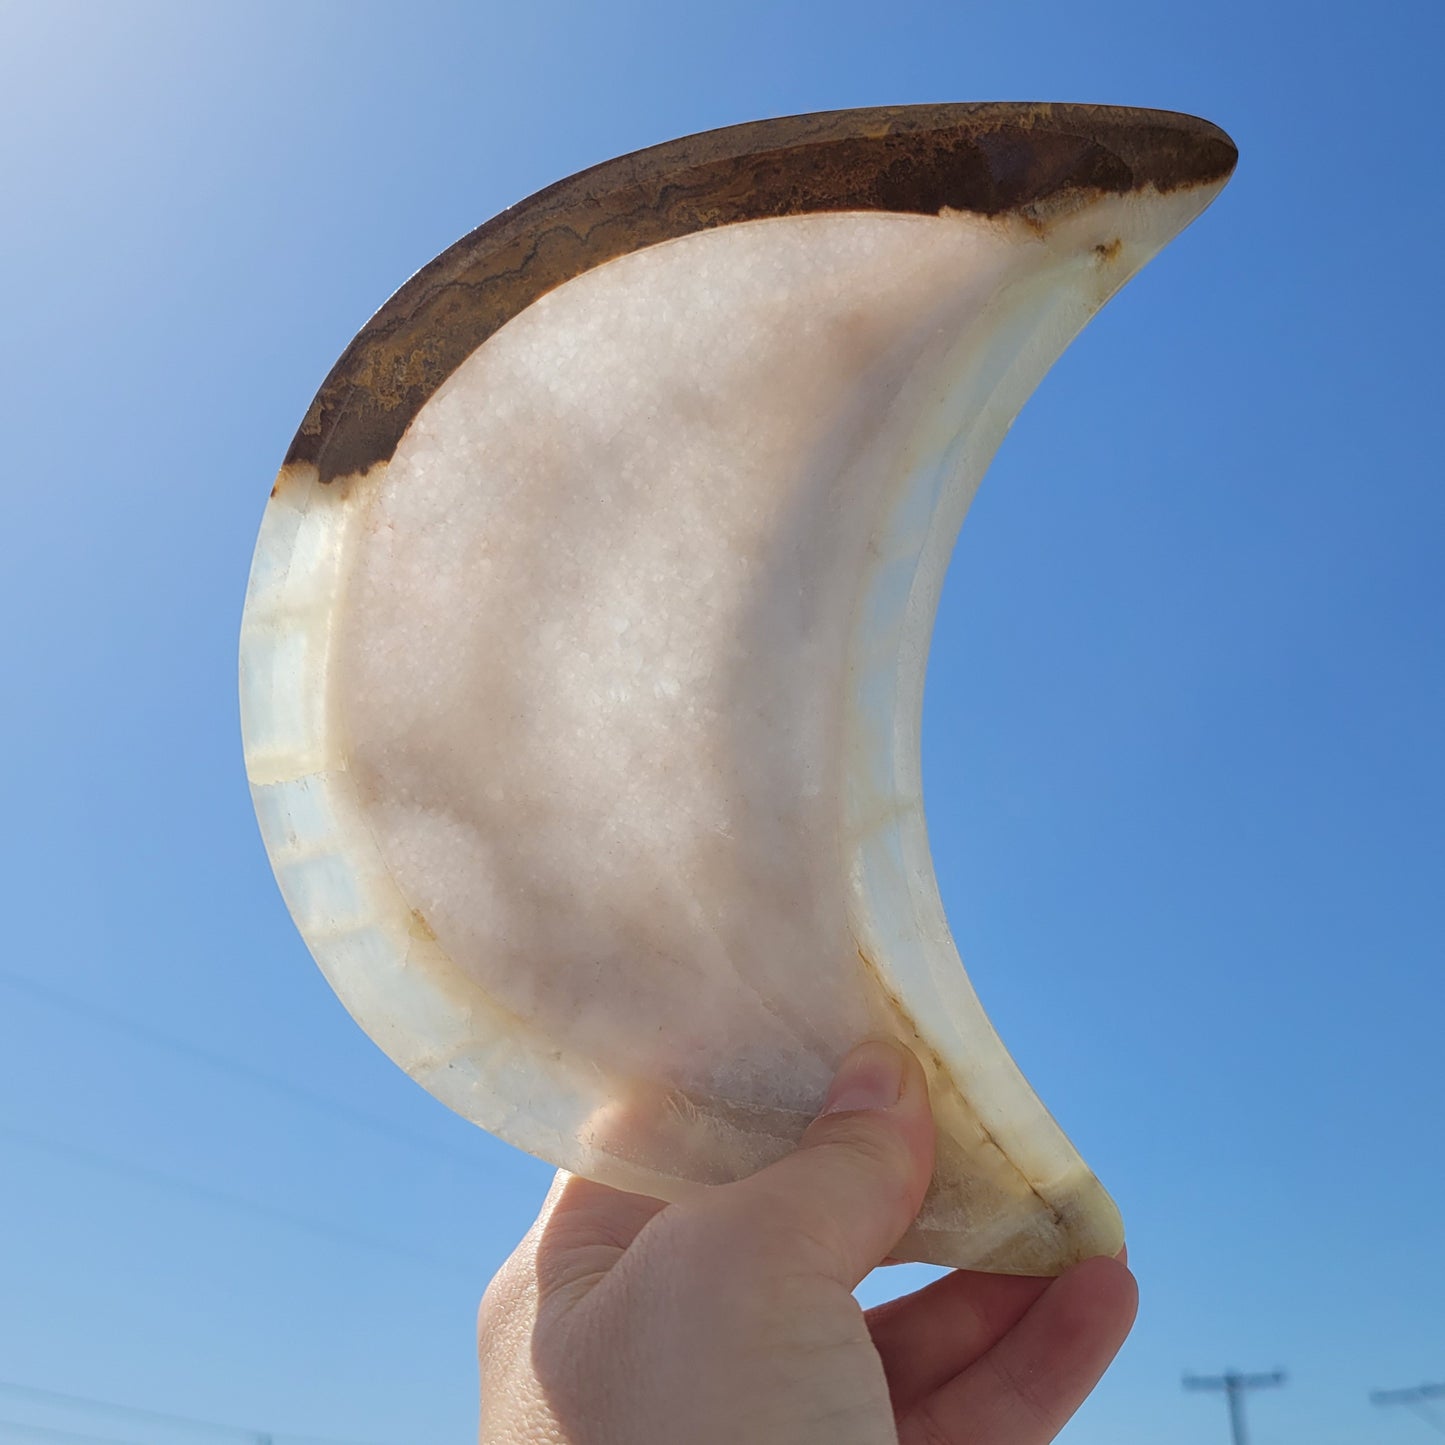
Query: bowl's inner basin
[{"x": 584, "y": 731}]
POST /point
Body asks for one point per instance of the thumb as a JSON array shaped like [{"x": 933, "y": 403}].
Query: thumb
[{"x": 841, "y": 1201}]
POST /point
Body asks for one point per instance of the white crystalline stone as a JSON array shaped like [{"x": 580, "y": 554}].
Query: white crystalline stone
[{"x": 609, "y": 696}]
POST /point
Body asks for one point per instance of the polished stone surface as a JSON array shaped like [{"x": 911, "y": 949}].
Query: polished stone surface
[{"x": 583, "y": 723}]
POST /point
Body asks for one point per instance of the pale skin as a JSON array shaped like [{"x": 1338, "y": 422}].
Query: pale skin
[{"x": 730, "y": 1317}]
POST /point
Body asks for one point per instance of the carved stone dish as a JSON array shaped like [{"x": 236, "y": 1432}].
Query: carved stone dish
[{"x": 583, "y": 655}]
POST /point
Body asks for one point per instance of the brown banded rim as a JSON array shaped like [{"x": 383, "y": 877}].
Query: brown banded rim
[{"x": 1028, "y": 159}]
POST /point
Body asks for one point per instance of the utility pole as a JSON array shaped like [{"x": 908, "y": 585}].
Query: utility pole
[
  {"x": 1416, "y": 1399},
  {"x": 1234, "y": 1385}
]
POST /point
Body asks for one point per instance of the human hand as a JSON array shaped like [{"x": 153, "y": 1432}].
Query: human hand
[{"x": 730, "y": 1320}]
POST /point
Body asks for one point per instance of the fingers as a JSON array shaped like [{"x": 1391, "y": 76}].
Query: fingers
[
  {"x": 583, "y": 1229},
  {"x": 924, "y": 1339},
  {"x": 1023, "y": 1390},
  {"x": 609, "y": 1216},
  {"x": 837, "y": 1204}
]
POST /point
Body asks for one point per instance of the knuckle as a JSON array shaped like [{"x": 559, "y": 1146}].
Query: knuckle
[
  {"x": 922, "y": 1427},
  {"x": 863, "y": 1140},
  {"x": 777, "y": 1239},
  {"x": 811, "y": 1245},
  {"x": 504, "y": 1298},
  {"x": 1030, "y": 1393}
]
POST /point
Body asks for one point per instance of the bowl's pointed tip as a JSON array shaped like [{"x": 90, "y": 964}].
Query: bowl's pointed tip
[
  {"x": 1186, "y": 150},
  {"x": 1163, "y": 150}
]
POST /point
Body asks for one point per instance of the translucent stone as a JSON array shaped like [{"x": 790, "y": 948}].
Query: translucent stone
[{"x": 584, "y": 728}]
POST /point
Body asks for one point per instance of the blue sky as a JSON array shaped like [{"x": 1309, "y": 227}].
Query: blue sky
[{"x": 1183, "y": 721}]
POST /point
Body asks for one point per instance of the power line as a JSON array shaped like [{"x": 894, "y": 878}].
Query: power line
[
  {"x": 74, "y": 1437},
  {"x": 160, "y": 1179},
  {"x": 1234, "y": 1386},
  {"x": 137, "y": 1412},
  {"x": 159, "y": 1039},
  {"x": 1415, "y": 1399}
]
